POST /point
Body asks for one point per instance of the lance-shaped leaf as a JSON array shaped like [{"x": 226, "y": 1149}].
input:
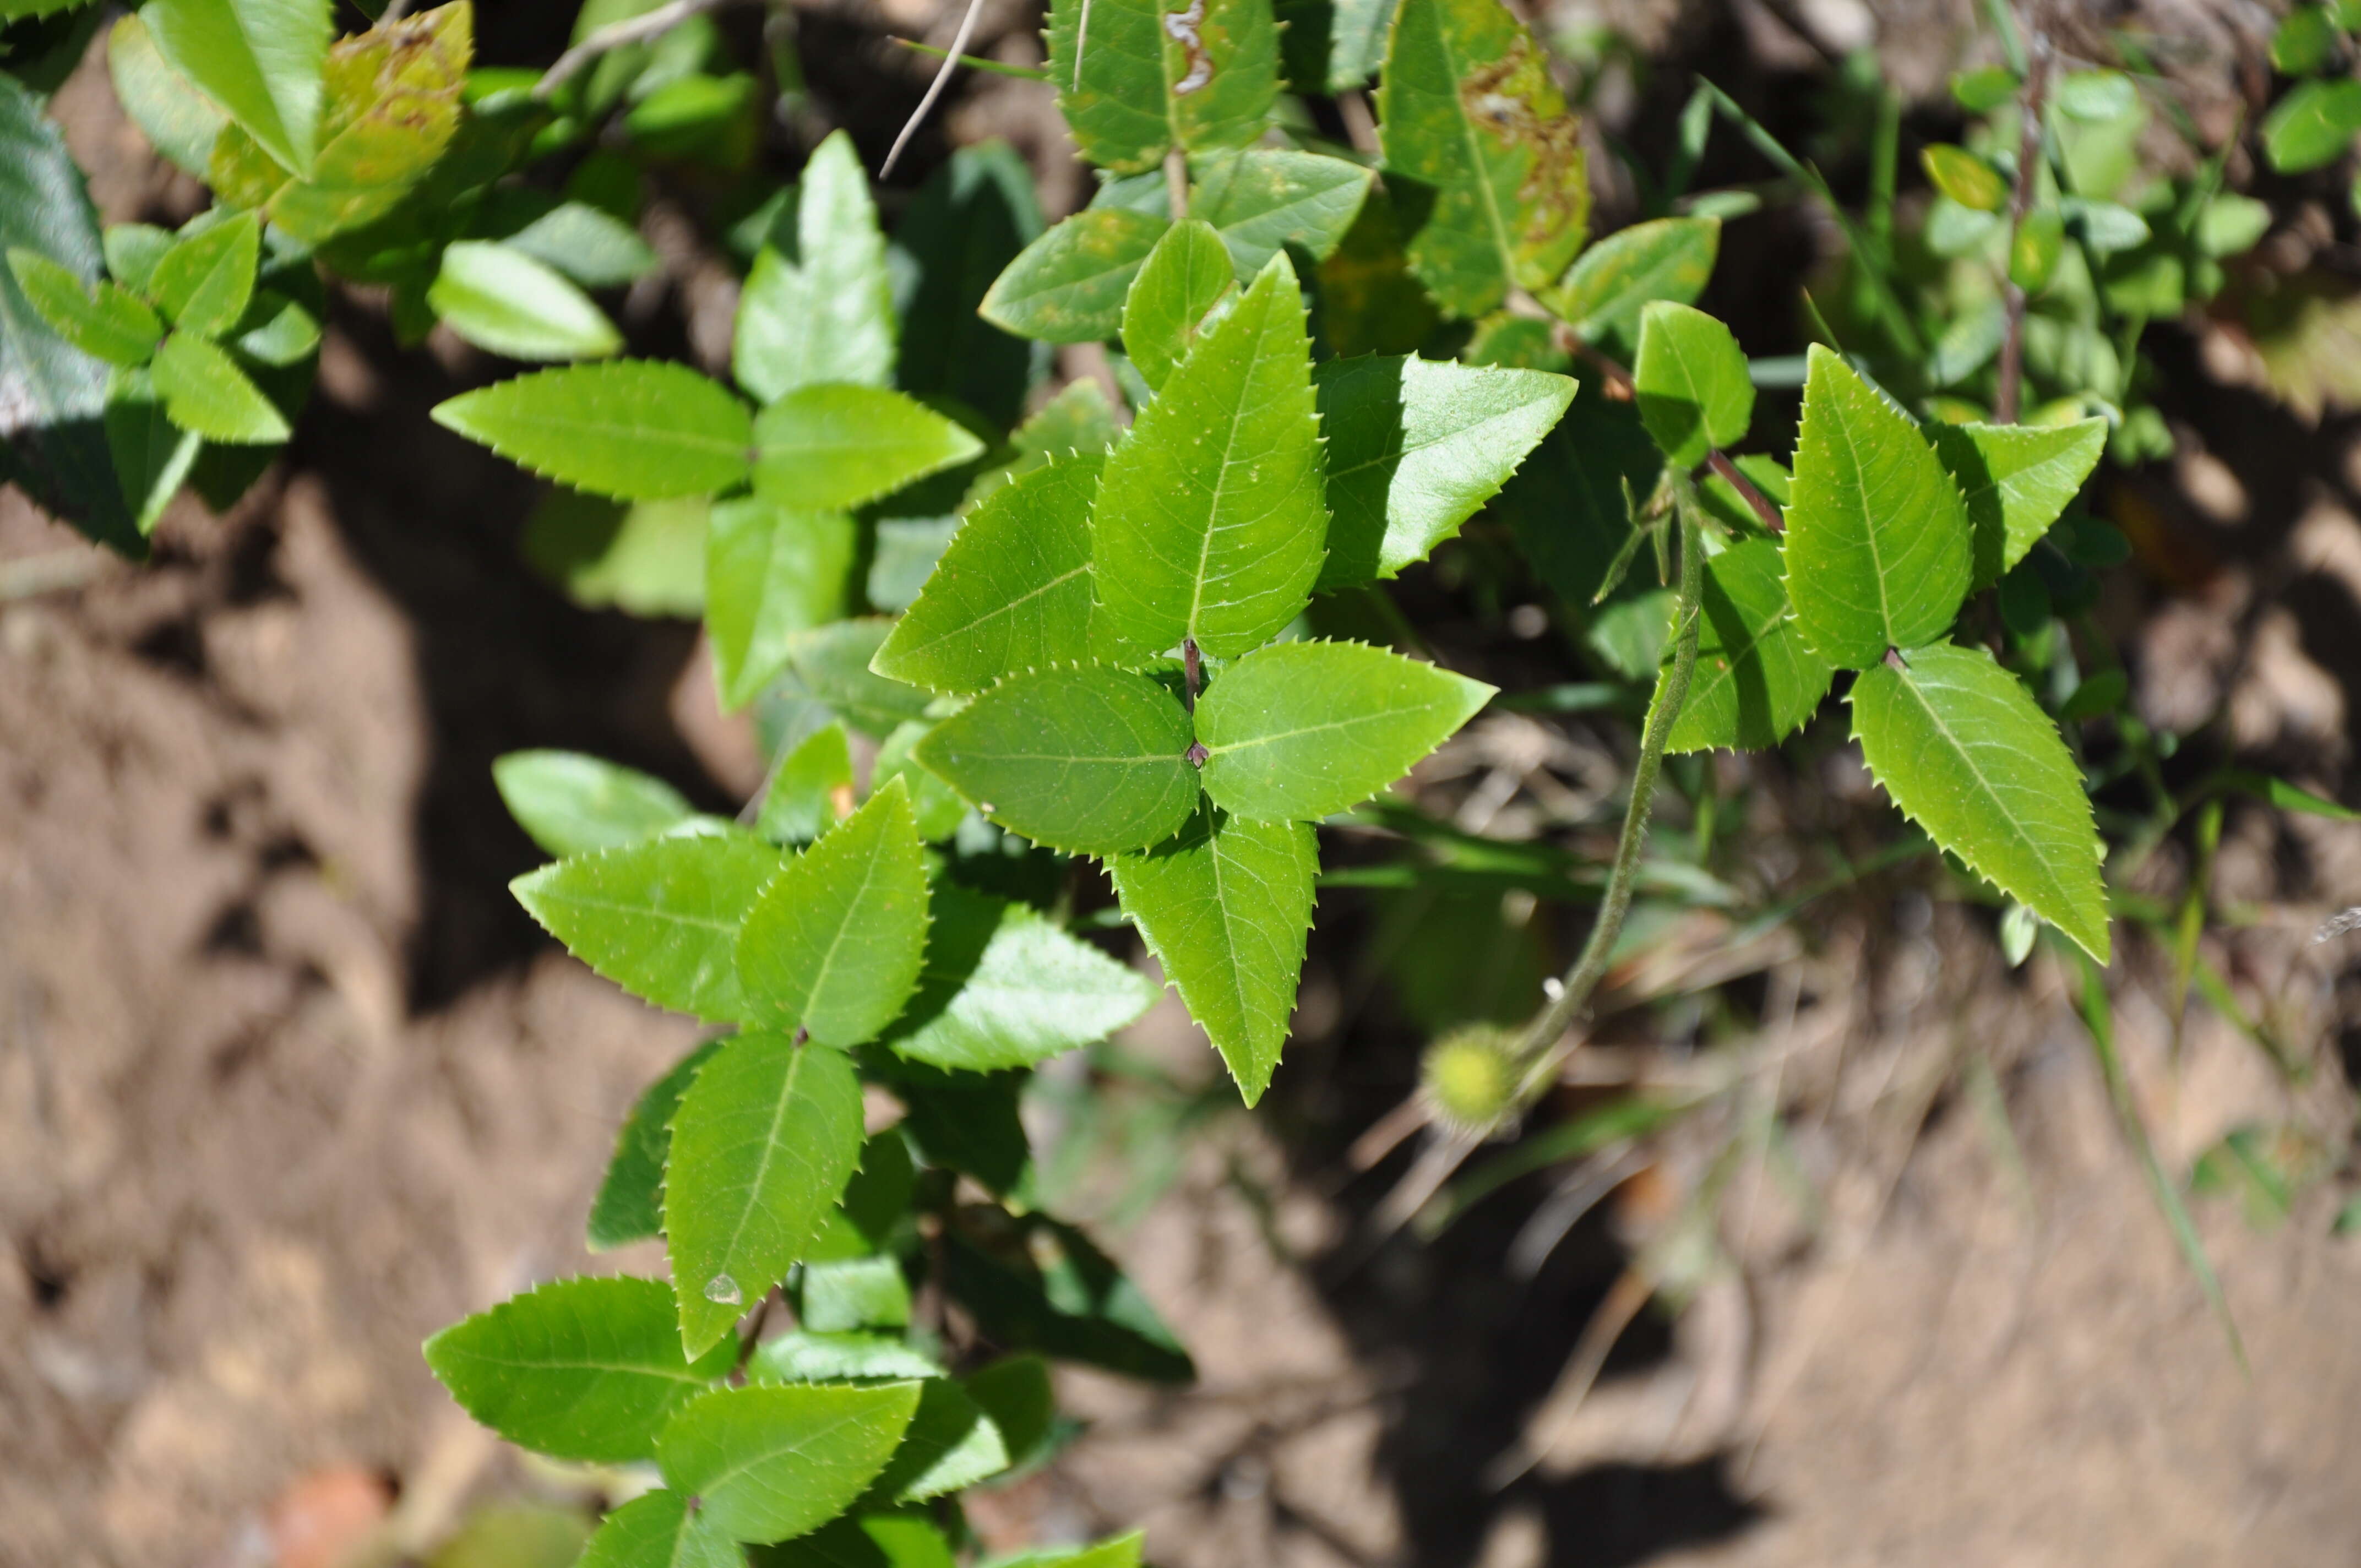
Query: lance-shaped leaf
[
  {"x": 769, "y": 574},
  {"x": 1090, "y": 760},
  {"x": 1266, "y": 198},
  {"x": 259, "y": 59},
  {"x": 1188, "y": 278},
  {"x": 1003, "y": 987},
  {"x": 1068, "y": 285},
  {"x": 660, "y": 918},
  {"x": 1134, "y": 77},
  {"x": 1482, "y": 157},
  {"x": 2016, "y": 480},
  {"x": 177, "y": 121},
  {"x": 769, "y": 1464},
  {"x": 632, "y": 429},
  {"x": 503, "y": 301},
  {"x": 828, "y": 315},
  {"x": 629, "y": 1204},
  {"x": 765, "y": 1138},
  {"x": 204, "y": 392},
  {"x": 587, "y": 1369},
  {"x": 1415, "y": 447},
  {"x": 1012, "y": 591},
  {"x": 570, "y": 804},
  {"x": 1211, "y": 520},
  {"x": 949, "y": 1444},
  {"x": 1962, "y": 749},
  {"x": 661, "y": 1529},
  {"x": 1225, "y": 907},
  {"x": 835, "y": 943},
  {"x": 1690, "y": 382},
  {"x": 1299, "y": 730},
  {"x": 203, "y": 283},
  {"x": 1603, "y": 292},
  {"x": 104, "y": 321},
  {"x": 827, "y": 448},
  {"x": 1756, "y": 678},
  {"x": 1877, "y": 546}
]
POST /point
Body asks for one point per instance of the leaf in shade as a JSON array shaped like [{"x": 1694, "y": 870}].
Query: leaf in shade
[
  {"x": 259, "y": 59},
  {"x": 1187, "y": 279},
  {"x": 1602, "y": 294},
  {"x": 934, "y": 805},
  {"x": 1566, "y": 504},
  {"x": 806, "y": 788},
  {"x": 1690, "y": 382},
  {"x": 505, "y": 302},
  {"x": 1068, "y": 285},
  {"x": 1264, "y": 199},
  {"x": 570, "y": 804},
  {"x": 969, "y": 220},
  {"x": 646, "y": 558},
  {"x": 828, "y": 315},
  {"x": 2015, "y": 480},
  {"x": 1755, "y": 679},
  {"x": 629, "y": 1204},
  {"x": 769, "y": 574},
  {"x": 204, "y": 392},
  {"x": 1055, "y": 1293},
  {"x": 906, "y": 1540},
  {"x": 769, "y": 1464},
  {"x": 830, "y": 664},
  {"x": 152, "y": 455},
  {"x": 830, "y": 448},
  {"x": 662, "y": 1529},
  {"x": 949, "y": 1444},
  {"x": 1132, "y": 77},
  {"x": 632, "y": 429}
]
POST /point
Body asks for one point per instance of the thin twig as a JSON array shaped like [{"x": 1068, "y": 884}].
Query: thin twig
[
  {"x": 2029, "y": 163},
  {"x": 619, "y": 34},
  {"x": 934, "y": 88},
  {"x": 1768, "y": 514}
]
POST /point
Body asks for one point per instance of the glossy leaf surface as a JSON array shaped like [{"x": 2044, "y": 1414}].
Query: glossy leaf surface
[
  {"x": 769, "y": 1464},
  {"x": 1068, "y": 285},
  {"x": 203, "y": 282},
  {"x": 571, "y": 804},
  {"x": 830, "y": 447},
  {"x": 501, "y": 300},
  {"x": 1602, "y": 294},
  {"x": 1264, "y": 198},
  {"x": 634, "y": 428},
  {"x": 660, "y": 1529},
  {"x": 829, "y": 315},
  {"x": 1134, "y": 77},
  {"x": 1186, "y": 278},
  {"x": 1690, "y": 382}
]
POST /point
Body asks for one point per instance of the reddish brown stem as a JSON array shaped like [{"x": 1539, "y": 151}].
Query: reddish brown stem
[
  {"x": 2010, "y": 392},
  {"x": 1764, "y": 510}
]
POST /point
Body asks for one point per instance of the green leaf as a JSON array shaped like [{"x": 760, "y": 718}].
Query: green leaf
[
  {"x": 1602, "y": 294},
  {"x": 1116, "y": 1551},
  {"x": 803, "y": 1357},
  {"x": 830, "y": 664},
  {"x": 949, "y": 1444},
  {"x": 2313, "y": 126},
  {"x": 646, "y": 558},
  {"x": 1211, "y": 518},
  {"x": 505, "y": 302},
  {"x": 1088, "y": 760},
  {"x": 203, "y": 282},
  {"x": 1878, "y": 547},
  {"x": 1132, "y": 78},
  {"x": 1015, "y": 1392},
  {"x": 595, "y": 249},
  {"x": 1265, "y": 199},
  {"x": 1003, "y": 987},
  {"x": 769, "y": 1464},
  {"x": 827, "y": 448},
  {"x": 177, "y": 121},
  {"x": 828, "y": 316},
  {"x": 1415, "y": 447},
  {"x": 1756, "y": 680},
  {"x": 801, "y": 803},
  {"x": 1482, "y": 157},
  {"x": 660, "y": 917},
  {"x": 969, "y": 220},
  {"x": 1566, "y": 503},
  {"x": 661, "y": 1529},
  {"x": 259, "y": 59},
  {"x": 1225, "y": 907},
  {"x": 1068, "y": 285},
  {"x": 152, "y": 455},
  {"x": 632, "y": 429},
  {"x": 2284, "y": 795},
  {"x": 2303, "y": 41},
  {"x": 571, "y": 804},
  {"x": 629, "y": 1204},
  {"x": 586, "y": 1369},
  {"x": 835, "y": 943},
  {"x": 769, "y": 574},
  {"x": 867, "y": 1541},
  {"x": 1012, "y": 591},
  {"x": 132, "y": 252},
  {"x": 840, "y": 1294},
  {"x": 2015, "y": 480},
  {"x": 1053, "y": 1292},
  {"x": 1964, "y": 178},
  {"x": 1186, "y": 281},
  {"x": 935, "y": 806},
  {"x": 1690, "y": 382},
  {"x": 107, "y": 322},
  {"x": 1961, "y": 746},
  {"x": 204, "y": 392},
  {"x": 1299, "y": 731},
  {"x": 765, "y": 1138}
]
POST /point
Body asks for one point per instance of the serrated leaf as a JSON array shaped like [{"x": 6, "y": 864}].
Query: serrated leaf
[
  {"x": 801, "y": 802},
  {"x": 1299, "y": 731},
  {"x": 1186, "y": 281},
  {"x": 571, "y": 804},
  {"x": 1878, "y": 548},
  {"x": 1003, "y": 987},
  {"x": 662, "y": 1529},
  {"x": 2015, "y": 480},
  {"x": 1068, "y": 285},
  {"x": 764, "y": 1141},
  {"x": 827, "y": 448},
  {"x": 177, "y": 121},
  {"x": 1690, "y": 382},
  {"x": 1755, "y": 679},
  {"x": 503, "y": 301},
  {"x": 803, "y": 1357},
  {"x": 1210, "y": 517},
  {"x": 632, "y": 429},
  {"x": 204, "y": 392},
  {"x": 867, "y": 1541},
  {"x": 769, "y": 1464},
  {"x": 1012, "y": 591},
  {"x": 1090, "y": 760},
  {"x": 660, "y": 918},
  {"x": 949, "y": 1444},
  {"x": 1263, "y": 199},
  {"x": 1602, "y": 294},
  {"x": 935, "y": 806},
  {"x": 1224, "y": 906},
  {"x": 259, "y": 59},
  {"x": 769, "y": 574},
  {"x": 835, "y": 943},
  {"x": 132, "y": 252},
  {"x": 585, "y": 1369},
  {"x": 1482, "y": 157},
  {"x": 629, "y": 1204},
  {"x": 1961, "y": 748},
  {"x": 829, "y": 316},
  {"x": 203, "y": 282},
  {"x": 1415, "y": 447},
  {"x": 1132, "y": 77},
  {"x": 103, "y": 321},
  {"x": 2312, "y": 124},
  {"x": 830, "y": 664}
]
